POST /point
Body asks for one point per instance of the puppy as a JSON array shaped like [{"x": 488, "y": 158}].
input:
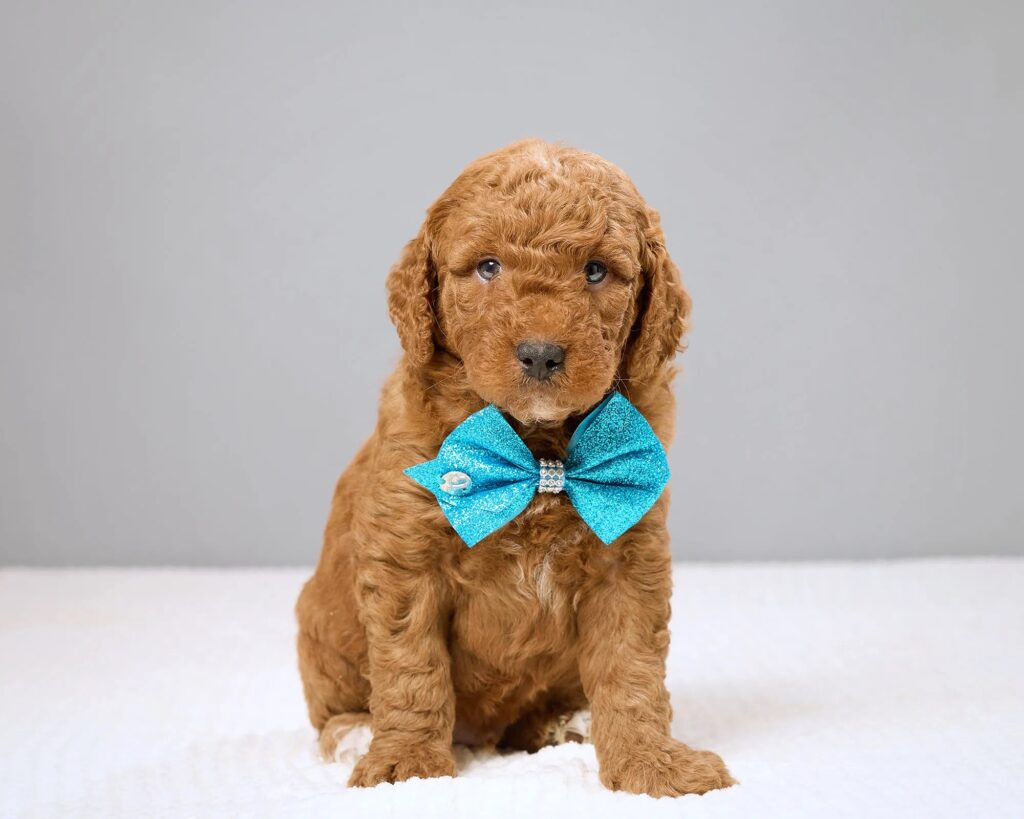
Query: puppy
[{"x": 404, "y": 628}]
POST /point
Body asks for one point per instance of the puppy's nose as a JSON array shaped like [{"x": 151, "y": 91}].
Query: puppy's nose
[{"x": 540, "y": 359}]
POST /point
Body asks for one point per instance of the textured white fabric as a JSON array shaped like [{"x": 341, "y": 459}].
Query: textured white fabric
[{"x": 831, "y": 690}]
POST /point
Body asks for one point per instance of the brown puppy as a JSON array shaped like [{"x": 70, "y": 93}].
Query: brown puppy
[{"x": 493, "y": 644}]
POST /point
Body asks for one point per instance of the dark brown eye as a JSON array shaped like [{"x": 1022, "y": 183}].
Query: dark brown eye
[
  {"x": 487, "y": 269},
  {"x": 595, "y": 272}
]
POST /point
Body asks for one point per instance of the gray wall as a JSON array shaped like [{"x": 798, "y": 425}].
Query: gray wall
[{"x": 199, "y": 202}]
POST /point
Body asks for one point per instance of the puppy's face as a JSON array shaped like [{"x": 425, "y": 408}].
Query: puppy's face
[
  {"x": 540, "y": 262},
  {"x": 537, "y": 294}
]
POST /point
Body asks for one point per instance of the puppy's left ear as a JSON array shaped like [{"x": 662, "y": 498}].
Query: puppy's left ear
[
  {"x": 410, "y": 285},
  {"x": 664, "y": 305}
]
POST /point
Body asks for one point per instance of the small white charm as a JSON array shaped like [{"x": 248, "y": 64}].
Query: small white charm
[
  {"x": 552, "y": 475},
  {"x": 456, "y": 483}
]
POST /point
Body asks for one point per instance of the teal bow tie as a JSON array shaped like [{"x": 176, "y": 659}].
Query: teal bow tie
[{"x": 484, "y": 475}]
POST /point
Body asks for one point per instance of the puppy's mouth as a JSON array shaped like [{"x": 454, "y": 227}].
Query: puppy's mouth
[
  {"x": 549, "y": 403},
  {"x": 540, "y": 387},
  {"x": 533, "y": 403},
  {"x": 540, "y": 411}
]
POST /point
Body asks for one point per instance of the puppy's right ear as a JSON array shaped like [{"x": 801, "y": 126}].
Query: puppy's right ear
[{"x": 411, "y": 283}]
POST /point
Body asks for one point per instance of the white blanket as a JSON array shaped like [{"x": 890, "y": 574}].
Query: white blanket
[{"x": 856, "y": 690}]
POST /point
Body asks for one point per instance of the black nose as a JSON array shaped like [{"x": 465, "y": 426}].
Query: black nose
[{"x": 540, "y": 359}]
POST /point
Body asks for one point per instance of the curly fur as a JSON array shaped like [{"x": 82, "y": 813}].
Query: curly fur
[{"x": 489, "y": 645}]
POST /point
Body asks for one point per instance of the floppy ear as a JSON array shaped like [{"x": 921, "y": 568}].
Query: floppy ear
[
  {"x": 664, "y": 305},
  {"x": 410, "y": 291}
]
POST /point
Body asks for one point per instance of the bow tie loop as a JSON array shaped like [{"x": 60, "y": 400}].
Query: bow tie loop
[{"x": 484, "y": 475}]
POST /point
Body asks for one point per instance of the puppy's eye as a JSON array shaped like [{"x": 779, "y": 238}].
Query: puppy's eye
[
  {"x": 487, "y": 269},
  {"x": 594, "y": 272}
]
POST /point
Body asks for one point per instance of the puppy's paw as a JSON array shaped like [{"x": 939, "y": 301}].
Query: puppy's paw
[
  {"x": 391, "y": 762},
  {"x": 346, "y": 737},
  {"x": 540, "y": 729},
  {"x": 574, "y": 727},
  {"x": 672, "y": 769}
]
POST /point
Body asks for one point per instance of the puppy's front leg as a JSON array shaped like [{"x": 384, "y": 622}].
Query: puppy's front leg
[
  {"x": 623, "y": 624},
  {"x": 411, "y": 700}
]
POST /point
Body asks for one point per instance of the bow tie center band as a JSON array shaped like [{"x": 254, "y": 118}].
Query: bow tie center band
[{"x": 484, "y": 475}]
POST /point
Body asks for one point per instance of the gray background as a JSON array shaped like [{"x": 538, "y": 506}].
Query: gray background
[{"x": 199, "y": 202}]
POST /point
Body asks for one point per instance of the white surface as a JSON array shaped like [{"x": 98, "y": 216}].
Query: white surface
[{"x": 831, "y": 690}]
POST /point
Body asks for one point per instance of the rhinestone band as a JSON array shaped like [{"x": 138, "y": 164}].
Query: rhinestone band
[{"x": 552, "y": 476}]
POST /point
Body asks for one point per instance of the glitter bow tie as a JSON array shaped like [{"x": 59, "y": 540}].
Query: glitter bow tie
[{"x": 484, "y": 475}]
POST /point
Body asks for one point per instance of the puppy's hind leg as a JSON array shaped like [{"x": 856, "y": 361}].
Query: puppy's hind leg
[
  {"x": 337, "y": 697},
  {"x": 337, "y": 705}
]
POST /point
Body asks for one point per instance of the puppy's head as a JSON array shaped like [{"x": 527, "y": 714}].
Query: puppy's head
[{"x": 546, "y": 273}]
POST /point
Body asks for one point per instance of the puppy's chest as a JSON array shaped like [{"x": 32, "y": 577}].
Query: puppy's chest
[{"x": 517, "y": 589}]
